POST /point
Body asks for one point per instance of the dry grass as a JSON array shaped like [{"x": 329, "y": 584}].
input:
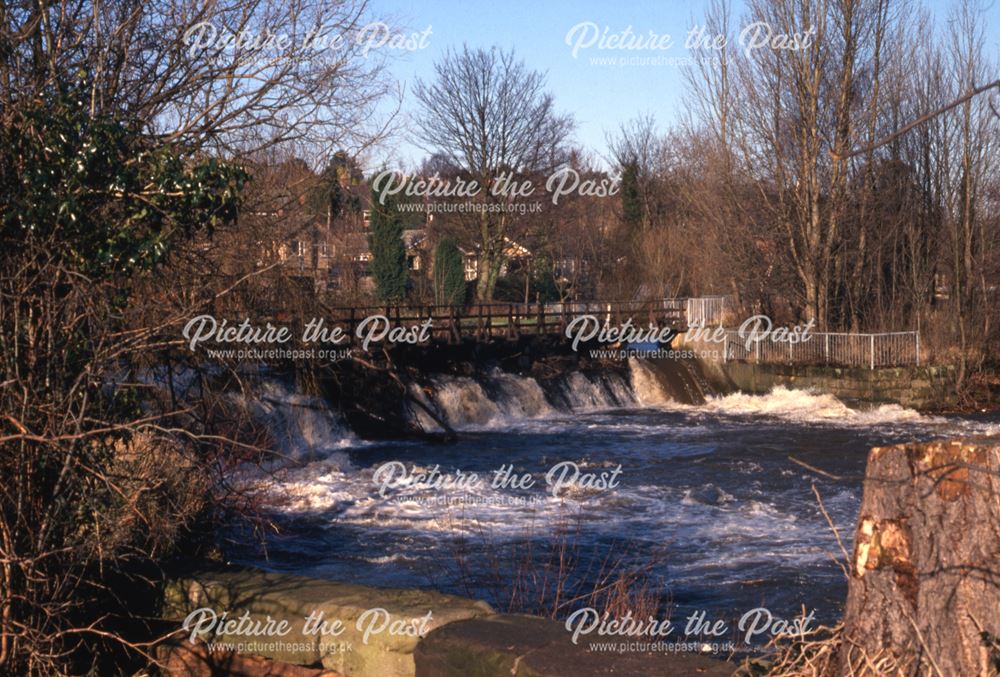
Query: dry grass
[
  {"x": 817, "y": 653},
  {"x": 809, "y": 654},
  {"x": 553, "y": 573}
]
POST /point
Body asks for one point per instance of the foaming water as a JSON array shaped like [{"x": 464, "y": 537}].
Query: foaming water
[
  {"x": 808, "y": 407},
  {"x": 304, "y": 428},
  {"x": 711, "y": 486}
]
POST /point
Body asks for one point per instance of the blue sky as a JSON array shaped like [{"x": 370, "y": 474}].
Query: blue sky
[{"x": 599, "y": 97}]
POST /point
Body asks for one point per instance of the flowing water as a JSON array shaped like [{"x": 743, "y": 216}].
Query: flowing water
[{"x": 708, "y": 499}]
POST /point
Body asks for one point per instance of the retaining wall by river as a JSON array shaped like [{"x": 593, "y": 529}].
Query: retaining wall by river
[{"x": 925, "y": 388}]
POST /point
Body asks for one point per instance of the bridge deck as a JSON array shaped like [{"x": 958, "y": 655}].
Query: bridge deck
[{"x": 491, "y": 321}]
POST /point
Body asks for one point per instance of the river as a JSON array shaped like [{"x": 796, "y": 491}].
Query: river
[{"x": 704, "y": 504}]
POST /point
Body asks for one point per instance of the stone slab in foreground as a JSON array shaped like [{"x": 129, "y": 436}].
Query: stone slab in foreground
[
  {"x": 527, "y": 646},
  {"x": 294, "y": 598},
  {"x": 184, "y": 659},
  {"x": 462, "y": 637}
]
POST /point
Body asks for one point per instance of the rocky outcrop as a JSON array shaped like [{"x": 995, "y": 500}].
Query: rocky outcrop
[
  {"x": 351, "y": 643},
  {"x": 421, "y": 634},
  {"x": 184, "y": 659},
  {"x": 526, "y": 646},
  {"x": 924, "y": 592}
]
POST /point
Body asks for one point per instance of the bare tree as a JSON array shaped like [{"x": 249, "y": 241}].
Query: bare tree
[
  {"x": 235, "y": 76},
  {"x": 639, "y": 143},
  {"x": 119, "y": 123},
  {"x": 972, "y": 159},
  {"x": 710, "y": 78},
  {"x": 488, "y": 113}
]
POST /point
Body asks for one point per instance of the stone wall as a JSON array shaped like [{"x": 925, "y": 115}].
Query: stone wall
[{"x": 928, "y": 388}]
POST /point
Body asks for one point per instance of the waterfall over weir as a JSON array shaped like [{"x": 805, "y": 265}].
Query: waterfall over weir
[
  {"x": 499, "y": 398},
  {"x": 305, "y": 427}
]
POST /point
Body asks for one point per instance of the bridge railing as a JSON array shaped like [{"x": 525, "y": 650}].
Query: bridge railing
[
  {"x": 484, "y": 321},
  {"x": 891, "y": 349}
]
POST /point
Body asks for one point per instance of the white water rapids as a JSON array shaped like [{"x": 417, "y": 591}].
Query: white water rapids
[{"x": 710, "y": 483}]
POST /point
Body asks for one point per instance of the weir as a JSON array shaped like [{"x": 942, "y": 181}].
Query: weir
[
  {"x": 681, "y": 380},
  {"x": 441, "y": 402}
]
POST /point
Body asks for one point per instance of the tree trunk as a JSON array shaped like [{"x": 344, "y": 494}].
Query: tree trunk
[
  {"x": 490, "y": 263},
  {"x": 924, "y": 593}
]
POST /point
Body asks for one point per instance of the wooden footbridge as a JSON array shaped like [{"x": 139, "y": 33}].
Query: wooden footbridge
[{"x": 486, "y": 322}]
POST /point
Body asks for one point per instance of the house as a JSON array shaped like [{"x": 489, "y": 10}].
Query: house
[
  {"x": 333, "y": 253},
  {"x": 517, "y": 255},
  {"x": 328, "y": 257}
]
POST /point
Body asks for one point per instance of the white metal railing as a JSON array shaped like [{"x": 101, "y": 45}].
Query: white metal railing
[
  {"x": 702, "y": 311},
  {"x": 891, "y": 349},
  {"x": 705, "y": 311}
]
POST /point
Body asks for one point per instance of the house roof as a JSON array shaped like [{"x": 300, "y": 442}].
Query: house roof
[
  {"x": 515, "y": 250},
  {"x": 350, "y": 244},
  {"x": 512, "y": 249}
]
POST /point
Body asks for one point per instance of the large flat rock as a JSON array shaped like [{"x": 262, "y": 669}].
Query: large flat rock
[
  {"x": 393, "y": 618},
  {"x": 526, "y": 646},
  {"x": 184, "y": 659}
]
